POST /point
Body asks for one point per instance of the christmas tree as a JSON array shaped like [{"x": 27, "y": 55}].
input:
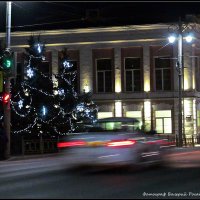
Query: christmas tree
[
  {"x": 76, "y": 107},
  {"x": 40, "y": 106}
]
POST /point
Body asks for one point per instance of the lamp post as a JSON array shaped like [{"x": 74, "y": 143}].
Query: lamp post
[
  {"x": 180, "y": 72},
  {"x": 7, "y": 81},
  {"x": 179, "y": 66}
]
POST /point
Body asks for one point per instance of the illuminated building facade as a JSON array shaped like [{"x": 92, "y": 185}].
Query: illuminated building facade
[{"x": 131, "y": 71}]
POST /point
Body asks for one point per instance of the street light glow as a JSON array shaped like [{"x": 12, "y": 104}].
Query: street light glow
[
  {"x": 189, "y": 38},
  {"x": 171, "y": 39}
]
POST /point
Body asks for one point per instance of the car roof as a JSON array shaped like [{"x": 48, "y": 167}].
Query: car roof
[{"x": 118, "y": 119}]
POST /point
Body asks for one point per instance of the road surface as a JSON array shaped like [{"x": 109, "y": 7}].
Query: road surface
[{"x": 48, "y": 178}]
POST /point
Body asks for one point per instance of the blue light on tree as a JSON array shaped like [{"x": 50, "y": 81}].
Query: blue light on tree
[
  {"x": 61, "y": 92},
  {"x": 20, "y": 104},
  {"x": 39, "y": 48},
  {"x": 44, "y": 110},
  {"x": 30, "y": 73},
  {"x": 80, "y": 107},
  {"x": 87, "y": 112},
  {"x": 67, "y": 64}
]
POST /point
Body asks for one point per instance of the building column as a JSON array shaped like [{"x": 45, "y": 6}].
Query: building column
[
  {"x": 146, "y": 64},
  {"x": 187, "y": 64},
  {"x": 147, "y": 115},
  {"x": 86, "y": 69},
  {"x": 54, "y": 65},
  {"x": 147, "y": 103},
  {"x": 118, "y": 89},
  {"x": 190, "y": 117},
  {"x": 117, "y": 61}
]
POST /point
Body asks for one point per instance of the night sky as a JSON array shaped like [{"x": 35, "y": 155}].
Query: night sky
[{"x": 30, "y": 15}]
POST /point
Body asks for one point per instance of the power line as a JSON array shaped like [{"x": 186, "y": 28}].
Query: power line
[{"x": 30, "y": 25}]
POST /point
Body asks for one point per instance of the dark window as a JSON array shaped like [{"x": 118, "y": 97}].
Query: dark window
[
  {"x": 100, "y": 82},
  {"x": 74, "y": 68},
  {"x": 19, "y": 75},
  {"x": 163, "y": 73},
  {"x": 104, "y": 75},
  {"x": 44, "y": 68},
  {"x": 197, "y": 72},
  {"x": 132, "y": 75}
]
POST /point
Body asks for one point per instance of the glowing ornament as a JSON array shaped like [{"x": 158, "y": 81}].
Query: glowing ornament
[
  {"x": 61, "y": 92},
  {"x": 67, "y": 65},
  {"x": 39, "y": 48},
  {"x": 80, "y": 107},
  {"x": 44, "y": 111},
  {"x": 30, "y": 73},
  {"x": 20, "y": 104}
]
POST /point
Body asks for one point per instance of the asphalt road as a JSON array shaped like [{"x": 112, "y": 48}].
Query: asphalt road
[{"x": 49, "y": 178}]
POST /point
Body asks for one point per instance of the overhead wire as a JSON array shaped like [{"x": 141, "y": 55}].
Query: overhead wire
[
  {"x": 48, "y": 23},
  {"x": 69, "y": 21}
]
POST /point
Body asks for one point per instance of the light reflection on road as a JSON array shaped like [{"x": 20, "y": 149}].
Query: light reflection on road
[{"x": 184, "y": 159}]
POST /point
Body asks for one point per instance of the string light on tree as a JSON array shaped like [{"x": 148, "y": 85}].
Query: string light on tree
[{"x": 59, "y": 113}]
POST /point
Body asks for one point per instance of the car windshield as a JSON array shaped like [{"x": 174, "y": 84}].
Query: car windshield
[
  {"x": 119, "y": 126},
  {"x": 113, "y": 124}
]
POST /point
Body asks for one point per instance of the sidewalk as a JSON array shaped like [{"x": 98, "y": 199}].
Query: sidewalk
[{"x": 180, "y": 149}]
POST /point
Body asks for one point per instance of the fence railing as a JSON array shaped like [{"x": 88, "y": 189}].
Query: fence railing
[
  {"x": 187, "y": 141},
  {"x": 39, "y": 146}
]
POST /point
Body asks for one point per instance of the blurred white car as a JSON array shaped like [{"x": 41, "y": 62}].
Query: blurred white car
[{"x": 112, "y": 142}]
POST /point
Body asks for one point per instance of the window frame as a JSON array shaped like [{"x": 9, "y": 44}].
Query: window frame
[
  {"x": 162, "y": 69},
  {"x": 104, "y": 71},
  {"x": 132, "y": 72}
]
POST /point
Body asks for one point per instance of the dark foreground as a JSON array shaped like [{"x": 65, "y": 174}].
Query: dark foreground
[{"x": 49, "y": 177}]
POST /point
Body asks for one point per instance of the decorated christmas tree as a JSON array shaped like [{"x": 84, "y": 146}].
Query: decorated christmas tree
[
  {"x": 40, "y": 106},
  {"x": 77, "y": 107}
]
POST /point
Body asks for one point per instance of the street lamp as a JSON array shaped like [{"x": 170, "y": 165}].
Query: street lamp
[{"x": 178, "y": 33}]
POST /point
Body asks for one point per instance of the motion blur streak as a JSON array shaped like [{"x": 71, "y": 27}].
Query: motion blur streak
[
  {"x": 121, "y": 143},
  {"x": 70, "y": 144}
]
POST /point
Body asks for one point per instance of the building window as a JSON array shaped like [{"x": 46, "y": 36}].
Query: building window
[
  {"x": 132, "y": 75},
  {"x": 163, "y": 121},
  {"x": 19, "y": 75},
  {"x": 104, "y": 75},
  {"x": 197, "y": 74},
  {"x": 104, "y": 115},
  {"x": 163, "y": 73},
  {"x": 44, "y": 68},
  {"x": 198, "y": 122},
  {"x": 135, "y": 114},
  {"x": 73, "y": 69}
]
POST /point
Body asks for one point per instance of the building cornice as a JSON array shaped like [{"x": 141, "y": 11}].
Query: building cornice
[
  {"x": 94, "y": 43},
  {"x": 89, "y": 30}
]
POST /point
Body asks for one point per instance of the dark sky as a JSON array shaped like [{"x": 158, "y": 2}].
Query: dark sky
[{"x": 41, "y": 15}]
